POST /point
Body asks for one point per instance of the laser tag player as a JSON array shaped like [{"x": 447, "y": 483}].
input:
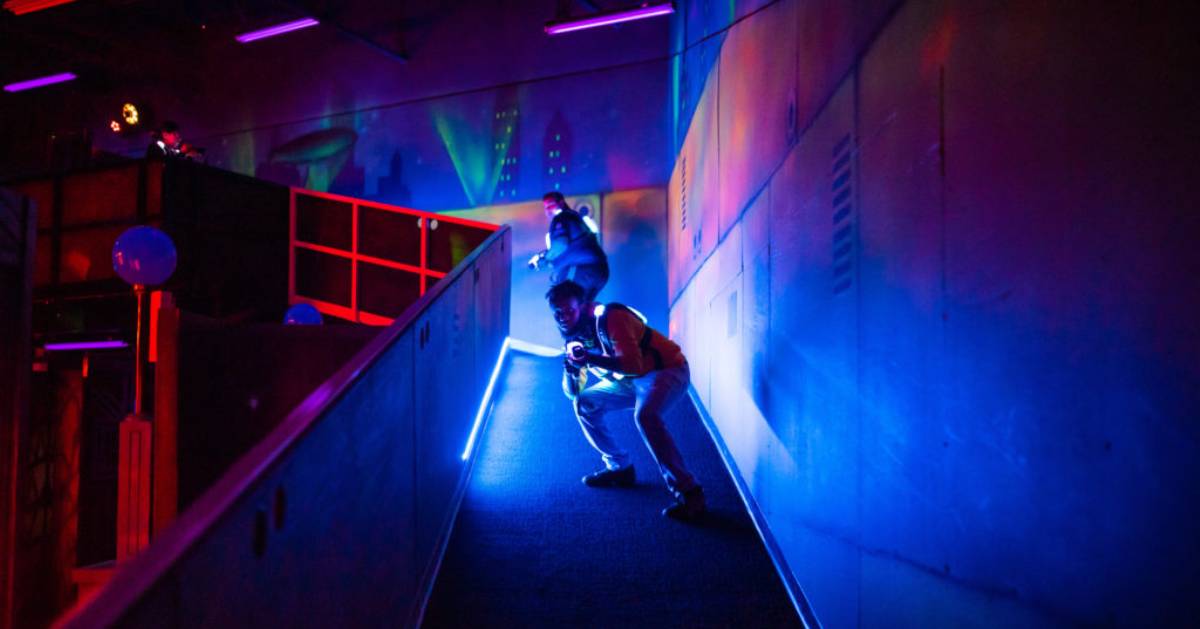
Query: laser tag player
[
  {"x": 636, "y": 367},
  {"x": 167, "y": 142},
  {"x": 572, "y": 248}
]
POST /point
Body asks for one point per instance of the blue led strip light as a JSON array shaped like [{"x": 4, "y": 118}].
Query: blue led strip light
[{"x": 487, "y": 398}]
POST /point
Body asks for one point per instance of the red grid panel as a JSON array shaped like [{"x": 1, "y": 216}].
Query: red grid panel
[{"x": 387, "y": 244}]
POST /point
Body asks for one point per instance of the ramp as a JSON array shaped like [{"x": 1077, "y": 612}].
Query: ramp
[{"x": 533, "y": 547}]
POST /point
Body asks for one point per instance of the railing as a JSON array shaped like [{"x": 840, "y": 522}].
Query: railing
[
  {"x": 366, "y": 261},
  {"x": 339, "y": 516}
]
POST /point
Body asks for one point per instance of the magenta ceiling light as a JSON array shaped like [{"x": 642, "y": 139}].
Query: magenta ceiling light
[
  {"x": 610, "y": 17},
  {"x": 85, "y": 345},
  {"x": 278, "y": 29},
  {"x": 39, "y": 82}
]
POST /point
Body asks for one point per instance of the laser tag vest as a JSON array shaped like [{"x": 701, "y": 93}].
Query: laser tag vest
[
  {"x": 581, "y": 244},
  {"x": 600, "y": 313}
]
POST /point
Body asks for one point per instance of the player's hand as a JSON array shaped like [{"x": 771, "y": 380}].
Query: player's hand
[
  {"x": 571, "y": 367},
  {"x": 576, "y": 353}
]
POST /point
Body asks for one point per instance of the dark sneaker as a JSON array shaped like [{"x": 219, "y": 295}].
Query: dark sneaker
[
  {"x": 623, "y": 477},
  {"x": 689, "y": 506}
]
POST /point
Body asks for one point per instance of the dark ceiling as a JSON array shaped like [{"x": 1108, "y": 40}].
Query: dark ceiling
[
  {"x": 131, "y": 42},
  {"x": 179, "y": 59}
]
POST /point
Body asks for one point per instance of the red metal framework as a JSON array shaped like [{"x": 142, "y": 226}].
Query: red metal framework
[{"x": 317, "y": 226}]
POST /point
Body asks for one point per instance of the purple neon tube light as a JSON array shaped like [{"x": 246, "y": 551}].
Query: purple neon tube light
[
  {"x": 82, "y": 345},
  {"x": 278, "y": 29},
  {"x": 605, "y": 19},
  {"x": 39, "y": 82}
]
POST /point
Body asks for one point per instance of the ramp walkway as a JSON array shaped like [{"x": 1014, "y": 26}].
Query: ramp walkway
[{"x": 533, "y": 547}]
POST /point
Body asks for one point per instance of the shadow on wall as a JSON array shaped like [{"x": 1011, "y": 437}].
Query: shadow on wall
[
  {"x": 391, "y": 186},
  {"x": 631, "y": 224},
  {"x": 634, "y": 229}
]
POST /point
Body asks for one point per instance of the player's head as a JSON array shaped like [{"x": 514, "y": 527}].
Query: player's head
[
  {"x": 552, "y": 202},
  {"x": 169, "y": 132},
  {"x": 568, "y": 304}
]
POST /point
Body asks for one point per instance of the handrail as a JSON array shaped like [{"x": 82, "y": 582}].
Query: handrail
[{"x": 134, "y": 579}]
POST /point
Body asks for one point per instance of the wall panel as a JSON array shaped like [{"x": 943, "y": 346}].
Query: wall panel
[
  {"x": 1067, "y": 167},
  {"x": 909, "y": 504},
  {"x": 830, "y": 37},
  {"x": 635, "y": 229},
  {"x": 757, "y": 105},
  {"x": 439, "y": 444},
  {"x": 694, "y": 193},
  {"x": 756, "y": 310},
  {"x": 978, "y": 387},
  {"x": 702, "y": 330},
  {"x": 722, "y": 289},
  {"x": 813, "y": 333}
]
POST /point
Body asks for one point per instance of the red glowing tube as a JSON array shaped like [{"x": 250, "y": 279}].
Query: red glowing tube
[{"x": 21, "y": 7}]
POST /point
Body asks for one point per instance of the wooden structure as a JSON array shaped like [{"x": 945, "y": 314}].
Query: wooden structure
[{"x": 17, "y": 223}]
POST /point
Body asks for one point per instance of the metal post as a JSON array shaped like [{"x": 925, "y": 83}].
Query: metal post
[
  {"x": 134, "y": 468},
  {"x": 139, "y": 374}
]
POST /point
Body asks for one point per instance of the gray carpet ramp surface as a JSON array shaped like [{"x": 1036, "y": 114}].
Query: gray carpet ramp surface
[{"x": 533, "y": 547}]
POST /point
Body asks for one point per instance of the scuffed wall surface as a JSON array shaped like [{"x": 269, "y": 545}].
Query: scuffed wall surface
[{"x": 933, "y": 293}]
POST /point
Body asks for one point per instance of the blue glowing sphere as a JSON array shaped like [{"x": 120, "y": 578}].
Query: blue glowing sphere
[
  {"x": 303, "y": 314},
  {"x": 144, "y": 255}
]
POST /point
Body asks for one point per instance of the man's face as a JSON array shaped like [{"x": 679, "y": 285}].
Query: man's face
[
  {"x": 567, "y": 312},
  {"x": 170, "y": 138},
  {"x": 550, "y": 206}
]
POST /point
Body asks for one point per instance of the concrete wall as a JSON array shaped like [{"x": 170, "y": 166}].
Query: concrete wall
[{"x": 931, "y": 264}]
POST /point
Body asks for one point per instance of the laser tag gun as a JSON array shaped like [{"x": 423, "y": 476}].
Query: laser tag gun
[
  {"x": 191, "y": 151},
  {"x": 574, "y": 376}
]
